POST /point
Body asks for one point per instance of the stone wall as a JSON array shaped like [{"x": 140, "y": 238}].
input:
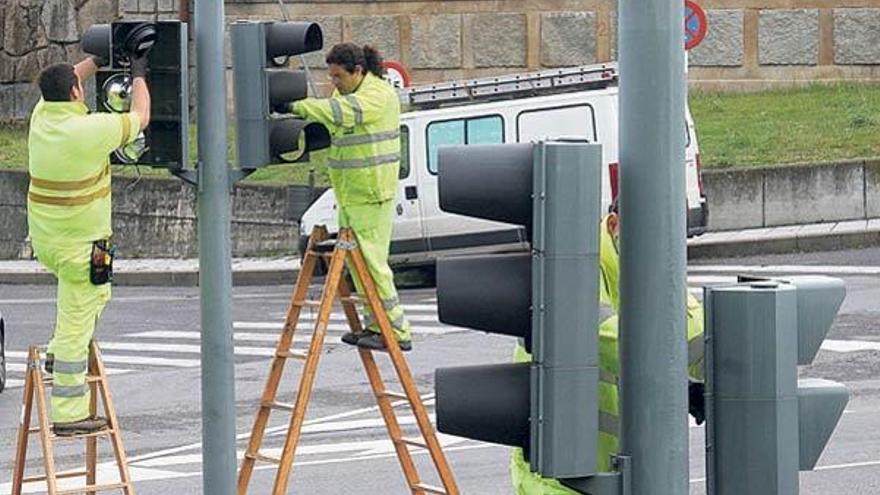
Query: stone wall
[
  {"x": 751, "y": 44},
  {"x": 157, "y": 218}
]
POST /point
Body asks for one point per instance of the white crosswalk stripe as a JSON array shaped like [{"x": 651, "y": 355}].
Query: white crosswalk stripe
[{"x": 170, "y": 349}]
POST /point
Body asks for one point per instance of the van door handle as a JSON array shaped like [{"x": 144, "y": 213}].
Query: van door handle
[{"x": 411, "y": 192}]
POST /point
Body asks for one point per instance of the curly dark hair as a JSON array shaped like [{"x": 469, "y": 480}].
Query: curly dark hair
[{"x": 350, "y": 56}]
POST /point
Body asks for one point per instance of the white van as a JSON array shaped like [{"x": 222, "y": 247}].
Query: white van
[{"x": 578, "y": 102}]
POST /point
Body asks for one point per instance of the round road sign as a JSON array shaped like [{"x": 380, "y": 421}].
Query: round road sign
[
  {"x": 396, "y": 74},
  {"x": 695, "y": 24}
]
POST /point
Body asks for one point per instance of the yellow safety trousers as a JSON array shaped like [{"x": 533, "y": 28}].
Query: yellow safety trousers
[
  {"x": 372, "y": 224},
  {"x": 79, "y": 306}
]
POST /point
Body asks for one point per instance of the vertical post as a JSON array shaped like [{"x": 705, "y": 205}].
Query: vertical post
[
  {"x": 653, "y": 256},
  {"x": 215, "y": 273}
]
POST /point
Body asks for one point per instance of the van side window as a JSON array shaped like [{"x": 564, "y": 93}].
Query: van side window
[
  {"x": 404, "y": 153},
  {"x": 572, "y": 121},
  {"x": 477, "y": 130}
]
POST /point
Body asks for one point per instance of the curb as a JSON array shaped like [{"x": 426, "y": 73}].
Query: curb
[
  {"x": 732, "y": 248},
  {"x": 785, "y": 245}
]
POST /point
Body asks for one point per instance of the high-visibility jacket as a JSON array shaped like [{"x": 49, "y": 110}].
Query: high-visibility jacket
[
  {"x": 69, "y": 165},
  {"x": 364, "y": 157},
  {"x": 528, "y": 483}
]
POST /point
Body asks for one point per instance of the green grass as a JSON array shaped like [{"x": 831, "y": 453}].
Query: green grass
[{"x": 811, "y": 124}]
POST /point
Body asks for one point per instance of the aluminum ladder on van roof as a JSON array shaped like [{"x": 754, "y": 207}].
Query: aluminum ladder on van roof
[{"x": 540, "y": 83}]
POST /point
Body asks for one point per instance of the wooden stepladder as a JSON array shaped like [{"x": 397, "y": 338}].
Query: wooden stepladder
[
  {"x": 336, "y": 252},
  {"x": 35, "y": 387}
]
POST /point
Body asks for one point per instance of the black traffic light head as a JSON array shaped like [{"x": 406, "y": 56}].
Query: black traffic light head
[
  {"x": 260, "y": 90},
  {"x": 165, "y": 142},
  {"x": 549, "y": 298}
]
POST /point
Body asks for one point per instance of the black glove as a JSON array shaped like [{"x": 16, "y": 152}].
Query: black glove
[
  {"x": 283, "y": 107},
  {"x": 139, "y": 67},
  {"x": 99, "y": 61},
  {"x": 696, "y": 401}
]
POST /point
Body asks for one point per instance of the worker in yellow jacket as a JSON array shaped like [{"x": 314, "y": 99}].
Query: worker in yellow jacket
[
  {"x": 69, "y": 219},
  {"x": 525, "y": 482},
  {"x": 363, "y": 117}
]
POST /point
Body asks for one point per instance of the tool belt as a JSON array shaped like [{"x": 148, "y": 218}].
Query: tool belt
[{"x": 101, "y": 262}]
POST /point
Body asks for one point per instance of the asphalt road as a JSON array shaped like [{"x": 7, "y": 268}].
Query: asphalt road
[{"x": 150, "y": 338}]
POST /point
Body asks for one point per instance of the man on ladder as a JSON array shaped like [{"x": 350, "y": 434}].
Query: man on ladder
[
  {"x": 69, "y": 220},
  {"x": 363, "y": 116}
]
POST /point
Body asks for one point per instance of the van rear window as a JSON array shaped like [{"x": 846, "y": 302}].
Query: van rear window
[{"x": 476, "y": 130}]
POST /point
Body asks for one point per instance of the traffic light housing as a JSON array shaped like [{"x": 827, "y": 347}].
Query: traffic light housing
[
  {"x": 165, "y": 142},
  {"x": 548, "y": 298},
  {"x": 761, "y": 419},
  {"x": 263, "y": 85}
]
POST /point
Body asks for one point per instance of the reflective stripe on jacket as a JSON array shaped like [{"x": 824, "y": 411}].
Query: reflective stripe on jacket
[{"x": 364, "y": 158}]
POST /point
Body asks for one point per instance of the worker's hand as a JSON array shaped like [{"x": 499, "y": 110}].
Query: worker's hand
[
  {"x": 286, "y": 107},
  {"x": 139, "y": 66},
  {"x": 696, "y": 401},
  {"x": 99, "y": 61}
]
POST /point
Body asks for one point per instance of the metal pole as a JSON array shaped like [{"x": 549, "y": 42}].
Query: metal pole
[
  {"x": 215, "y": 260},
  {"x": 653, "y": 255}
]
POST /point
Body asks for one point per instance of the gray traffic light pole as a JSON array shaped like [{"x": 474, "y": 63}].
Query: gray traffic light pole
[
  {"x": 653, "y": 261},
  {"x": 215, "y": 259}
]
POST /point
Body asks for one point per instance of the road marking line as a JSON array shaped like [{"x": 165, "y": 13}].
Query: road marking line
[
  {"x": 181, "y": 348},
  {"x": 22, "y": 367},
  {"x": 850, "y": 345},
  {"x": 141, "y": 360}
]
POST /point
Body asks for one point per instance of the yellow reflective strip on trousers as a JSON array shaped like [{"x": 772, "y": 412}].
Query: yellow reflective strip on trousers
[
  {"x": 70, "y": 185},
  {"x": 69, "y": 200}
]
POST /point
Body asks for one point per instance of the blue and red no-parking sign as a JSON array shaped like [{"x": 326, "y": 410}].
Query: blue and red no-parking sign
[{"x": 695, "y": 24}]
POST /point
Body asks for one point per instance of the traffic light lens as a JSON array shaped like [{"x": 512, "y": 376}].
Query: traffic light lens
[
  {"x": 133, "y": 151},
  {"x": 140, "y": 40},
  {"x": 289, "y": 138},
  {"x": 117, "y": 93}
]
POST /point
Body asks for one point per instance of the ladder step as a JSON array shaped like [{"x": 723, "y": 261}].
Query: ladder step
[
  {"x": 104, "y": 432},
  {"x": 424, "y": 487},
  {"x": 392, "y": 395},
  {"x": 353, "y": 300},
  {"x": 94, "y": 488},
  {"x": 415, "y": 442},
  {"x": 307, "y": 303},
  {"x": 292, "y": 354},
  {"x": 281, "y": 406},
  {"x": 265, "y": 458},
  {"x": 328, "y": 254},
  {"x": 63, "y": 474}
]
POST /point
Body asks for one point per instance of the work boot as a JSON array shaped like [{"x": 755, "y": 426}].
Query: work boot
[
  {"x": 377, "y": 343},
  {"x": 49, "y": 365},
  {"x": 82, "y": 427},
  {"x": 352, "y": 338}
]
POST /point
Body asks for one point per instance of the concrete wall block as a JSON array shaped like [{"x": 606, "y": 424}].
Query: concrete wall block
[
  {"x": 381, "y": 31},
  {"x": 97, "y": 12},
  {"x": 130, "y": 6},
  {"x": 7, "y": 68},
  {"x": 788, "y": 37},
  {"x": 856, "y": 36},
  {"x": 499, "y": 40},
  {"x": 13, "y": 188},
  {"x": 819, "y": 193},
  {"x": 26, "y": 96},
  {"x": 3, "y": 8},
  {"x": 249, "y": 239},
  {"x": 59, "y": 21},
  {"x": 154, "y": 198},
  {"x": 735, "y": 198},
  {"x": 138, "y": 236},
  {"x": 436, "y": 41},
  {"x": 872, "y": 188},
  {"x": 259, "y": 203},
  {"x": 723, "y": 45},
  {"x": 24, "y": 30},
  {"x": 568, "y": 38}
]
